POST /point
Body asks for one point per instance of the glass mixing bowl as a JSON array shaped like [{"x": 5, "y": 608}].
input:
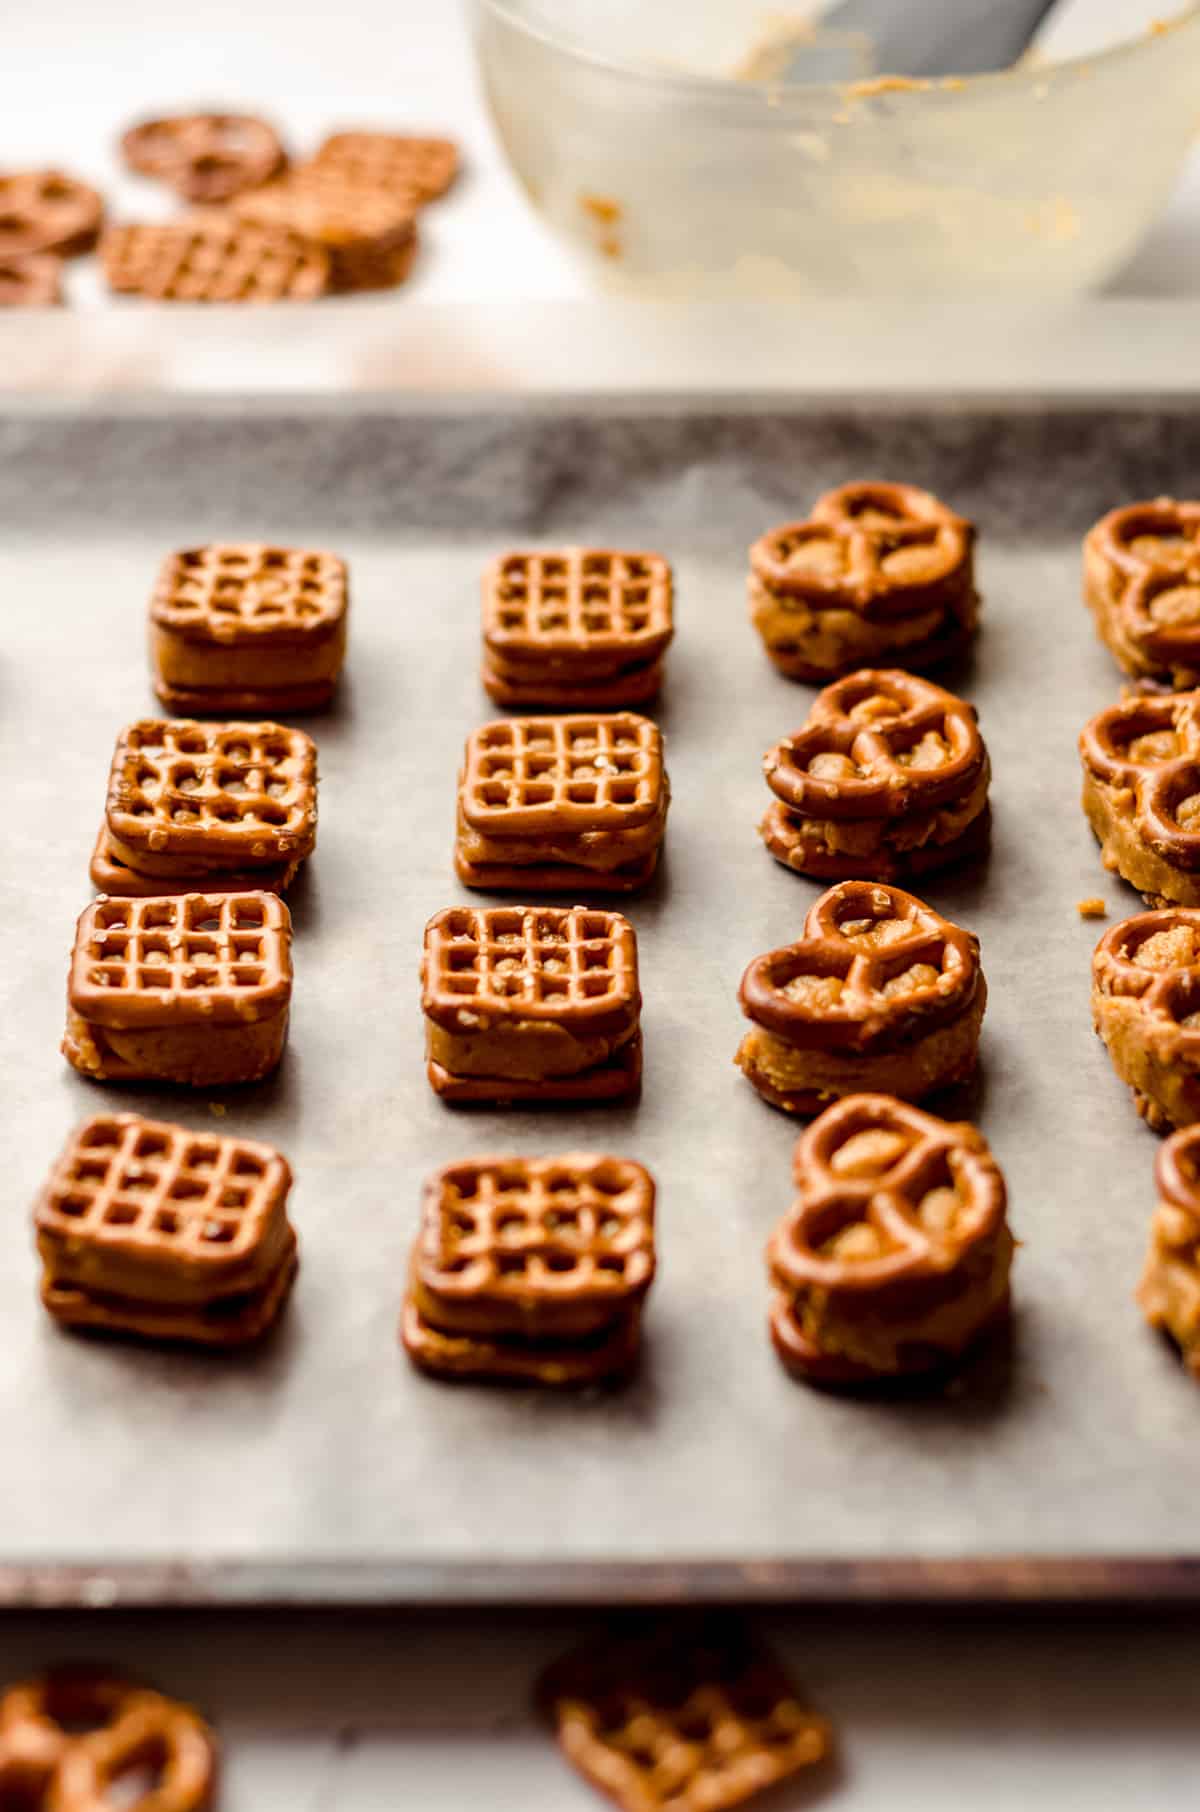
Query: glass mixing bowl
[{"x": 1039, "y": 180}]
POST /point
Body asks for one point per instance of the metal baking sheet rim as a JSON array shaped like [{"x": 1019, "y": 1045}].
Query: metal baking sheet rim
[{"x": 1002, "y": 1579}]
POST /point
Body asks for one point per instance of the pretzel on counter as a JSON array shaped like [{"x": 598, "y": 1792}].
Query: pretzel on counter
[
  {"x": 880, "y": 993},
  {"x": 896, "y": 1255},
  {"x": 248, "y": 629},
  {"x": 1146, "y": 1009},
  {"x": 189, "y": 988},
  {"x": 531, "y": 1270},
  {"x": 421, "y": 169},
  {"x": 888, "y": 778},
  {"x": 1141, "y": 582},
  {"x": 43, "y": 211},
  {"x": 368, "y": 236},
  {"x": 68, "y": 1737},
  {"x": 205, "y": 157},
  {"x": 531, "y": 1004},
  {"x": 576, "y": 628},
  {"x": 210, "y": 257},
  {"x": 878, "y": 573}
]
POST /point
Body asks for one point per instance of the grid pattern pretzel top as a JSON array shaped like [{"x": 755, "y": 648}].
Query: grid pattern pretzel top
[
  {"x": 212, "y": 258},
  {"x": 927, "y": 1190},
  {"x": 193, "y": 788},
  {"x": 874, "y": 964},
  {"x": 572, "y": 965},
  {"x": 1154, "y": 958},
  {"x": 873, "y": 547},
  {"x": 318, "y": 202},
  {"x": 423, "y": 168},
  {"x": 878, "y": 743},
  {"x": 578, "y": 600},
  {"x": 571, "y": 774},
  {"x": 250, "y": 592},
  {"x": 577, "y": 1228},
  {"x": 224, "y": 958},
  {"x": 1152, "y": 747},
  {"x": 696, "y": 1723},
  {"x": 163, "y": 1194}
]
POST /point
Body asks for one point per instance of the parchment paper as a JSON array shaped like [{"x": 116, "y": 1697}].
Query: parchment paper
[{"x": 324, "y": 1460}]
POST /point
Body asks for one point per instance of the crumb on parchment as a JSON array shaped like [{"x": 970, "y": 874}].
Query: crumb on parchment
[
  {"x": 1093, "y": 908},
  {"x": 217, "y": 1109}
]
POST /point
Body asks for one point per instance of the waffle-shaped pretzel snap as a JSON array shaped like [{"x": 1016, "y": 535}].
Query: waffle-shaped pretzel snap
[
  {"x": 1146, "y": 1008},
  {"x": 1141, "y": 793},
  {"x": 531, "y": 1003},
  {"x": 696, "y": 1715},
  {"x": 45, "y": 211},
  {"x": 146, "y": 1228},
  {"x": 531, "y": 1270},
  {"x": 191, "y": 988},
  {"x": 100, "y": 1730},
  {"x": 30, "y": 280},
  {"x": 896, "y": 1256},
  {"x": 878, "y": 572},
  {"x": 559, "y": 804},
  {"x": 420, "y": 169},
  {"x": 888, "y": 778},
  {"x": 576, "y": 627},
  {"x": 243, "y": 628},
  {"x": 1169, "y": 1292},
  {"x": 205, "y": 157},
  {"x": 210, "y": 257},
  {"x": 880, "y": 994},
  {"x": 192, "y": 805},
  {"x": 368, "y": 235},
  {"x": 1141, "y": 581}
]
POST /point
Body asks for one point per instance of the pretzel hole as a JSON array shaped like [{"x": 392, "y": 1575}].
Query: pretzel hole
[
  {"x": 121, "y": 1214},
  {"x": 1176, "y": 607},
  {"x": 582, "y": 792},
  {"x": 556, "y": 1220},
  {"x": 164, "y": 913},
  {"x": 245, "y": 1164},
  {"x": 932, "y": 751},
  {"x": 73, "y": 1203},
  {"x": 234, "y": 1197},
  {"x": 1153, "y": 746},
  {"x": 816, "y": 551},
  {"x": 247, "y": 977},
  {"x": 191, "y": 744},
  {"x": 236, "y": 751},
  {"x": 1175, "y": 948},
  {"x": 137, "y": 1776},
  {"x": 510, "y": 1264},
  {"x": 246, "y": 915},
  {"x": 610, "y": 1262},
  {"x": 217, "y": 1233},
  {"x": 559, "y": 1263},
  {"x": 186, "y": 1189},
  {"x": 870, "y": 1153},
  {"x": 201, "y": 1158},
  {"x": 914, "y": 980},
  {"x": 816, "y": 992},
  {"x": 24, "y": 1786}
]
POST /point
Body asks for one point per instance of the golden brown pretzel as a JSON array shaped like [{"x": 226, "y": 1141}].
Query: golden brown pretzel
[
  {"x": 1146, "y": 1008},
  {"x": 210, "y": 257},
  {"x": 1169, "y": 1291},
  {"x": 897, "y": 1252},
  {"x": 45, "y": 211},
  {"x": 866, "y": 938},
  {"x": 1141, "y": 762},
  {"x": 879, "y": 743},
  {"x": 422, "y": 168},
  {"x": 205, "y": 157},
  {"x": 881, "y": 547},
  {"x": 1142, "y": 582}
]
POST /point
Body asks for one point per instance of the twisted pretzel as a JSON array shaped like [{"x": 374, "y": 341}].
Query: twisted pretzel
[
  {"x": 1143, "y": 568},
  {"x": 1152, "y": 747},
  {"x": 1154, "y": 959},
  {"x": 872, "y": 727},
  {"x": 205, "y": 157}
]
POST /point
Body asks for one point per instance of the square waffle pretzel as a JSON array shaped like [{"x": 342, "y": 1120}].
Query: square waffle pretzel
[
  {"x": 248, "y": 628},
  {"x": 368, "y": 236},
  {"x": 1146, "y": 1009},
  {"x": 528, "y": 1003},
  {"x": 878, "y": 573},
  {"x": 192, "y": 803},
  {"x": 887, "y": 779},
  {"x": 209, "y": 257},
  {"x": 897, "y": 1254},
  {"x": 531, "y": 1269},
  {"x": 695, "y": 1716},
  {"x": 191, "y": 988},
  {"x": 547, "y": 805},
  {"x": 146, "y": 1227},
  {"x": 1141, "y": 793},
  {"x": 75, "y": 1738},
  {"x": 576, "y": 627},
  {"x": 418, "y": 169},
  {"x": 1141, "y": 582},
  {"x": 881, "y": 992}
]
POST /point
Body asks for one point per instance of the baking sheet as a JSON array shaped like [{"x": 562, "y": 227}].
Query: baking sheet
[{"x": 1065, "y": 1460}]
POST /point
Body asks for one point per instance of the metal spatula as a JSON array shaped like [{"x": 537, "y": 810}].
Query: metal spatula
[{"x": 931, "y": 37}]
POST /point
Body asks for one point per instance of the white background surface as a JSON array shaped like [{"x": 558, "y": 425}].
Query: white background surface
[{"x": 978, "y": 1712}]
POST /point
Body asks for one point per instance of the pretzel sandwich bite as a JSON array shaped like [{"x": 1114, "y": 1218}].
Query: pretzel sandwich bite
[
  {"x": 878, "y": 573},
  {"x": 1141, "y": 582},
  {"x": 896, "y": 1255},
  {"x": 888, "y": 778},
  {"x": 1141, "y": 794},
  {"x": 533, "y": 1004},
  {"x": 1169, "y": 1292},
  {"x": 1146, "y": 1009},
  {"x": 879, "y": 994}
]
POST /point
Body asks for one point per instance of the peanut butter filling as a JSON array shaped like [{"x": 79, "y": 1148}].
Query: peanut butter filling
[
  {"x": 257, "y": 664},
  {"x": 1145, "y": 1051},
  {"x": 529, "y": 1050},
  {"x": 1112, "y": 813},
  {"x": 862, "y": 838},
  {"x": 602, "y": 850},
  {"x": 198, "y": 1054},
  {"x": 834, "y": 637}
]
